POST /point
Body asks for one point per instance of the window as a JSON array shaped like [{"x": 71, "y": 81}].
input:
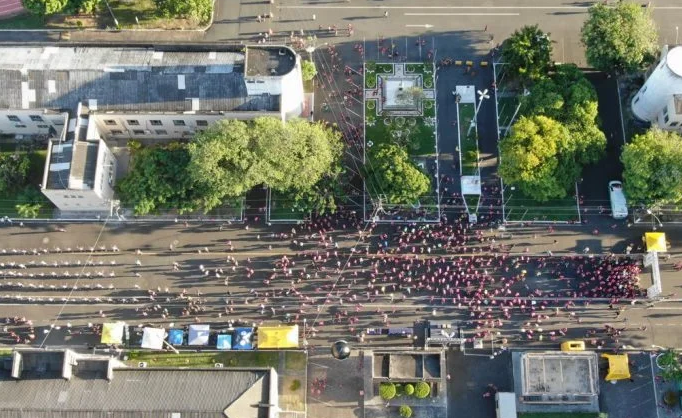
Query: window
[
  {"x": 644, "y": 89},
  {"x": 116, "y": 132},
  {"x": 674, "y": 123},
  {"x": 36, "y": 118},
  {"x": 13, "y": 118},
  {"x": 177, "y": 122},
  {"x": 66, "y": 196},
  {"x": 43, "y": 126},
  {"x": 110, "y": 122},
  {"x": 161, "y": 132},
  {"x": 138, "y": 132},
  {"x": 636, "y": 99},
  {"x": 666, "y": 119},
  {"x": 58, "y": 122},
  {"x": 80, "y": 196},
  {"x": 133, "y": 122},
  {"x": 19, "y": 125},
  {"x": 156, "y": 122},
  {"x": 202, "y": 123},
  {"x": 665, "y": 111}
]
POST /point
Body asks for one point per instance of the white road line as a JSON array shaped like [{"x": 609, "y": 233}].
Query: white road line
[
  {"x": 419, "y": 26},
  {"x": 462, "y": 14}
]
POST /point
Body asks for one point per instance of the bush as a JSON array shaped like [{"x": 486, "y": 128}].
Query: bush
[
  {"x": 308, "y": 70},
  {"x": 387, "y": 391},
  {"x": 405, "y": 411},
  {"x": 422, "y": 390},
  {"x": 409, "y": 389},
  {"x": 295, "y": 385},
  {"x": 670, "y": 398}
]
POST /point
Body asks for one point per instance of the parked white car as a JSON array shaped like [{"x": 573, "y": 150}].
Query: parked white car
[{"x": 619, "y": 207}]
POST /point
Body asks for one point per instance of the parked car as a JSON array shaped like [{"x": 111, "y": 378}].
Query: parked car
[{"x": 619, "y": 207}]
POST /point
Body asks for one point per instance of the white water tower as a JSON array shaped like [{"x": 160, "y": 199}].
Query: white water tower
[{"x": 664, "y": 81}]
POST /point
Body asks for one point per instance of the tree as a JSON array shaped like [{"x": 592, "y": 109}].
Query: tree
[
  {"x": 409, "y": 389},
  {"x": 158, "y": 179},
  {"x": 391, "y": 174},
  {"x": 387, "y": 391},
  {"x": 199, "y": 10},
  {"x": 619, "y": 38},
  {"x": 528, "y": 54},
  {"x": 308, "y": 70},
  {"x": 405, "y": 411},
  {"x": 45, "y": 7},
  {"x": 652, "y": 168},
  {"x": 13, "y": 171},
  {"x": 531, "y": 158},
  {"x": 30, "y": 201},
  {"x": 422, "y": 390}
]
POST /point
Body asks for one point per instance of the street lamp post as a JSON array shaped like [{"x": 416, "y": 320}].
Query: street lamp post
[
  {"x": 482, "y": 95},
  {"x": 654, "y": 217},
  {"x": 677, "y": 34}
]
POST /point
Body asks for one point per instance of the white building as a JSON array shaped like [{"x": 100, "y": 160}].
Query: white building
[
  {"x": 659, "y": 101},
  {"x": 105, "y": 96}
]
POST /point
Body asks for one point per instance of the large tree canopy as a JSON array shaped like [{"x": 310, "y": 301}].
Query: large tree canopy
[
  {"x": 528, "y": 54},
  {"x": 391, "y": 174},
  {"x": 45, "y": 7},
  {"x": 200, "y": 10},
  {"x": 653, "y": 168},
  {"x": 568, "y": 97},
  {"x": 619, "y": 38},
  {"x": 533, "y": 158},
  {"x": 13, "y": 171}
]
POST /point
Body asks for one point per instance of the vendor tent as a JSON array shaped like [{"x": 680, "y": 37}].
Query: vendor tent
[
  {"x": 619, "y": 369},
  {"x": 224, "y": 342},
  {"x": 655, "y": 241},
  {"x": 175, "y": 336},
  {"x": 278, "y": 337},
  {"x": 112, "y": 332},
  {"x": 153, "y": 338},
  {"x": 198, "y": 334},
  {"x": 243, "y": 339}
]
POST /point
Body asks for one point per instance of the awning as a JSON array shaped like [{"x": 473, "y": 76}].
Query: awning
[
  {"x": 153, "y": 338},
  {"x": 175, "y": 336},
  {"x": 655, "y": 241},
  {"x": 278, "y": 337},
  {"x": 243, "y": 339},
  {"x": 619, "y": 369},
  {"x": 224, "y": 342},
  {"x": 198, "y": 334},
  {"x": 112, "y": 333}
]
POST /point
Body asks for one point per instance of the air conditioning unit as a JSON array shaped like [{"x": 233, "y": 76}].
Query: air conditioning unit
[
  {"x": 218, "y": 365},
  {"x": 142, "y": 364}
]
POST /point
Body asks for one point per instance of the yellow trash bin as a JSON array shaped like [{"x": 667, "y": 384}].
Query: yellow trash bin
[{"x": 573, "y": 346}]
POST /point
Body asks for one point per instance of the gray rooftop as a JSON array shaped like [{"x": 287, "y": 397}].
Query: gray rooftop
[
  {"x": 59, "y": 168},
  {"x": 269, "y": 61},
  {"x": 137, "y": 393},
  {"x": 84, "y": 165},
  {"x": 127, "y": 79}
]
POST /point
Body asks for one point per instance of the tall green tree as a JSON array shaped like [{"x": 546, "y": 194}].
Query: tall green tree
[
  {"x": 158, "y": 179},
  {"x": 200, "y": 10},
  {"x": 652, "y": 171},
  {"x": 391, "y": 174},
  {"x": 308, "y": 70},
  {"x": 533, "y": 157},
  {"x": 13, "y": 171},
  {"x": 45, "y": 7},
  {"x": 528, "y": 54},
  {"x": 619, "y": 38}
]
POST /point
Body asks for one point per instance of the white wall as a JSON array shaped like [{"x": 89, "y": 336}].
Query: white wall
[
  {"x": 292, "y": 92},
  {"x": 76, "y": 200},
  {"x": 674, "y": 122},
  {"x": 27, "y": 126},
  {"x": 105, "y": 173},
  {"x": 652, "y": 97}
]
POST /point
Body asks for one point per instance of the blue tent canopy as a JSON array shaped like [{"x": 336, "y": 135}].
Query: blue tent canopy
[
  {"x": 224, "y": 342},
  {"x": 175, "y": 336},
  {"x": 243, "y": 339}
]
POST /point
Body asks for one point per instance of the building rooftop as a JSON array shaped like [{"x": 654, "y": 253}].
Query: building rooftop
[
  {"x": 84, "y": 165},
  {"x": 42, "y": 391},
  {"x": 133, "y": 78},
  {"x": 59, "y": 167},
  {"x": 269, "y": 61}
]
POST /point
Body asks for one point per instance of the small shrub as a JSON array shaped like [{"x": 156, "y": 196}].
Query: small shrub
[
  {"x": 409, "y": 389},
  {"x": 387, "y": 391},
  {"x": 295, "y": 385},
  {"x": 405, "y": 411},
  {"x": 422, "y": 390},
  {"x": 670, "y": 398},
  {"x": 308, "y": 70}
]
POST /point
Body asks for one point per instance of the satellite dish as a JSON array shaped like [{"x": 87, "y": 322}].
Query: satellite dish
[{"x": 341, "y": 350}]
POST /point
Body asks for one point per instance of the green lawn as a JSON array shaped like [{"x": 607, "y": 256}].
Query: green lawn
[
  {"x": 506, "y": 106},
  {"x": 421, "y": 139},
  {"x": 295, "y": 360},
  {"x": 468, "y": 139},
  {"x": 198, "y": 360},
  {"x": 519, "y": 207}
]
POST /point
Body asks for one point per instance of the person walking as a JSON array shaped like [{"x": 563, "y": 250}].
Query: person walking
[{"x": 386, "y": 13}]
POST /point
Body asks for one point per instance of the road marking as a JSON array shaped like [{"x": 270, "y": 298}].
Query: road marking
[
  {"x": 653, "y": 379},
  {"x": 462, "y": 14},
  {"x": 419, "y": 26}
]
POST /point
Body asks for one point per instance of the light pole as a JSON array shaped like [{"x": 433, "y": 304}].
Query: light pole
[
  {"x": 482, "y": 95},
  {"x": 654, "y": 217}
]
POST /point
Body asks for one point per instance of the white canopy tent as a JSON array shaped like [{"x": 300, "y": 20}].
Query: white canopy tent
[
  {"x": 152, "y": 338},
  {"x": 198, "y": 334}
]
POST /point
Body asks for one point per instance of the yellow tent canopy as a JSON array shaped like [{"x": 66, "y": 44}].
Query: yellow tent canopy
[
  {"x": 278, "y": 337},
  {"x": 112, "y": 333},
  {"x": 655, "y": 241},
  {"x": 619, "y": 369}
]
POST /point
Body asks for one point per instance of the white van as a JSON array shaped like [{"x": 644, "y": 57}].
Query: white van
[
  {"x": 505, "y": 405},
  {"x": 619, "y": 207}
]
